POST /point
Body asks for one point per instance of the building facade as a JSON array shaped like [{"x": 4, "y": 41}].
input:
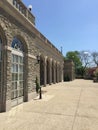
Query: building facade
[
  {"x": 21, "y": 46},
  {"x": 69, "y": 70}
]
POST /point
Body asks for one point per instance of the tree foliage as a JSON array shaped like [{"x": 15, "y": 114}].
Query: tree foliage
[
  {"x": 74, "y": 56},
  {"x": 95, "y": 58},
  {"x": 82, "y": 60},
  {"x": 85, "y": 58}
]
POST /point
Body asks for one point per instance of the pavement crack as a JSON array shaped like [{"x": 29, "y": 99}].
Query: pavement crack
[
  {"x": 60, "y": 114},
  {"x": 77, "y": 109},
  {"x": 48, "y": 113}
]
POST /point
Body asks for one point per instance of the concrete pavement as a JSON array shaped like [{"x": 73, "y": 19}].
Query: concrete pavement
[{"x": 65, "y": 106}]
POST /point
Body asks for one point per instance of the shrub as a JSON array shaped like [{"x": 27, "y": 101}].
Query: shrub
[
  {"x": 66, "y": 78},
  {"x": 96, "y": 73}
]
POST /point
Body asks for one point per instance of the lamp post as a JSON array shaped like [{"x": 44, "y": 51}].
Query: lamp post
[{"x": 40, "y": 91}]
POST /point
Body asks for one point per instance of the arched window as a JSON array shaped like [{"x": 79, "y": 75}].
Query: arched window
[
  {"x": 17, "y": 91},
  {"x": 17, "y": 44}
]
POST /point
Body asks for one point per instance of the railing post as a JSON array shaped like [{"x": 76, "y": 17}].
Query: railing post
[{"x": 27, "y": 13}]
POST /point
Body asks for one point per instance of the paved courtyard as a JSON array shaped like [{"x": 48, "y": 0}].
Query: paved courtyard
[{"x": 65, "y": 106}]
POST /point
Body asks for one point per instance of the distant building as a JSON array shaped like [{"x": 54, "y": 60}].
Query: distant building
[
  {"x": 69, "y": 70},
  {"x": 90, "y": 73}
]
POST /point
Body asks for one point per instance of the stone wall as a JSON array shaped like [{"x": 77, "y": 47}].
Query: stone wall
[
  {"x": 35, "y": 44},
  {"x": 69, "y": 70}
]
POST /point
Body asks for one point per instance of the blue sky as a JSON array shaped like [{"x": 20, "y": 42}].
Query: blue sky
[{"x": 72, "y": 24}]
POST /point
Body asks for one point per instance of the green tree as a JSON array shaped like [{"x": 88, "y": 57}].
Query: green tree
[{"x": 81, "y": 71}]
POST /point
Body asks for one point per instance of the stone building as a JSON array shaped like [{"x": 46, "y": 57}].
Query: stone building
[
  {"x": 24, "y": 54},
  {"x": 69, "y": 70}
]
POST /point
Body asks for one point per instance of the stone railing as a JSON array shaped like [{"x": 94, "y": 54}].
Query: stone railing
[{"x": 18, "y": 4}]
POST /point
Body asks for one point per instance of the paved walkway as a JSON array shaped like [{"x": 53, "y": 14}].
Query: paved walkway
[{"x": 65, "y": 106}]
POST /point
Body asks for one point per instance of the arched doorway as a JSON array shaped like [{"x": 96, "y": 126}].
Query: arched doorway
[
  {"x": 48, "y": 71},
  {"x": 42, "y": 65},
  {"x": 17, "y": 70}
]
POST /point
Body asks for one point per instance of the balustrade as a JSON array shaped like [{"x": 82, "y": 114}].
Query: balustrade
[{"x": 18, "y": 4}]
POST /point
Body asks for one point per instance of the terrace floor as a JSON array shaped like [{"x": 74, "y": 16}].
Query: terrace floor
[{"x": 65, "y": 106}]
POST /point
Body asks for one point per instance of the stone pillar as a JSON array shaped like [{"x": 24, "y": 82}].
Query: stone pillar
[
  {"x": 9, "y": 81},
  {"x": 26, "y": 66},
  {"x": 3, "y": 78},
  {"x": 62, "y": 72},
  {"x": 57, "y": 74},
  {"x": 54, "y": 72},
  {"x": 50, "y": 71},
  {"x": 45, "y": 71}
]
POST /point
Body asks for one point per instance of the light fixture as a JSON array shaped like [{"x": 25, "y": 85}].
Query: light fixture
[
  {"x": 30, "y": 7},
  {"x": 38, "y": 59}
]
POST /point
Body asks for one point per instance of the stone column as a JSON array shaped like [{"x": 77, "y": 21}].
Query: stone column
[
  {"x": 8, "y": 81},
  {"x": 62, "y": 72},
  {"x": 45, "y": 71},
  {"x": 54, "y": 72},
  {"x": 50, "y": 71},
  {"x": 3, "y": 80},
  {"x": 26, "y": 66},
  {"x": 57, "y": 73}
]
